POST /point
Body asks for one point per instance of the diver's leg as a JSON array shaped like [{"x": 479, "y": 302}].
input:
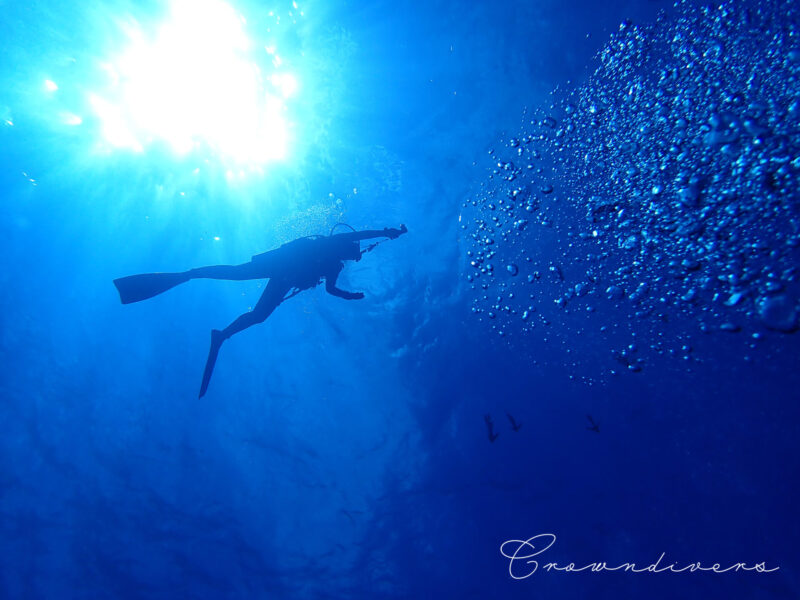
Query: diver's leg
[
  {"x": 273, "y": 295},
  {"x": 241, "y": 272}
]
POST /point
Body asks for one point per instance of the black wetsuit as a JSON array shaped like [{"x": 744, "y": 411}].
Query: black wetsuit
[{"x": 295, "y": 266}]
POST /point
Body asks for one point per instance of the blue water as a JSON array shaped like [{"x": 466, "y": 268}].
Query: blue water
[{"x": 342, "y": 449}]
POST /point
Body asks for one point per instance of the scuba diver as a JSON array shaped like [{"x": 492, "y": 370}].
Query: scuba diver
[
  {"x": 298, "y": 265},
  {"x": 490, "y": 427},
  {"x": 514, "y": 425},
  {"x": 594, "y": 426}
]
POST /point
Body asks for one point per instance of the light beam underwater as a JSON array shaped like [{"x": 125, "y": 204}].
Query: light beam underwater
[{"x": 196, "y": 84}]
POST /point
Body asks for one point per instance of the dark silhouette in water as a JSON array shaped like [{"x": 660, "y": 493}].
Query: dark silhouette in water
[
  {"x": 594, "y": 427},
  {"x": 490, "y": 427},
  {"x": 296, "y": 266},
  {"x": 514, "y": 425}
]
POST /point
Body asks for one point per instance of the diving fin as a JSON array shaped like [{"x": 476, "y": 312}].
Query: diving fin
[
  {"x": 216, "y": 342},
  {"x": 135, "y": 288}
]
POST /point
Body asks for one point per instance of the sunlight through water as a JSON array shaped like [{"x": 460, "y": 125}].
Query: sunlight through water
[{"x": 197, "y": 84}]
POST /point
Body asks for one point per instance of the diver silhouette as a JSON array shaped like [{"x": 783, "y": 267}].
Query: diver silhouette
[
  {"x": 594, "y": 426},
  {"x": 490, "y": 427},
  {"x": 514, "y": 425},
  {"x": 296, "y": 266}
]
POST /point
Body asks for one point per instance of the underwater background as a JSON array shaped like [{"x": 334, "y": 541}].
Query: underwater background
[{"x": 604, "y": 234}]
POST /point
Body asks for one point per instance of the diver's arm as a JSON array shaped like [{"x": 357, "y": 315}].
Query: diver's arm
[
  {"x": 330, "y": 287},
  {"x": 367, "y": 234}
]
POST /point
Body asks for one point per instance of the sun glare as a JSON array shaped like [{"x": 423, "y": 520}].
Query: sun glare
[{"x": 196, "y": 84}]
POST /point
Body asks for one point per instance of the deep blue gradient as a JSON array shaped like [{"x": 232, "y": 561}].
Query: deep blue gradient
[{"x": 341, "y": 450}]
